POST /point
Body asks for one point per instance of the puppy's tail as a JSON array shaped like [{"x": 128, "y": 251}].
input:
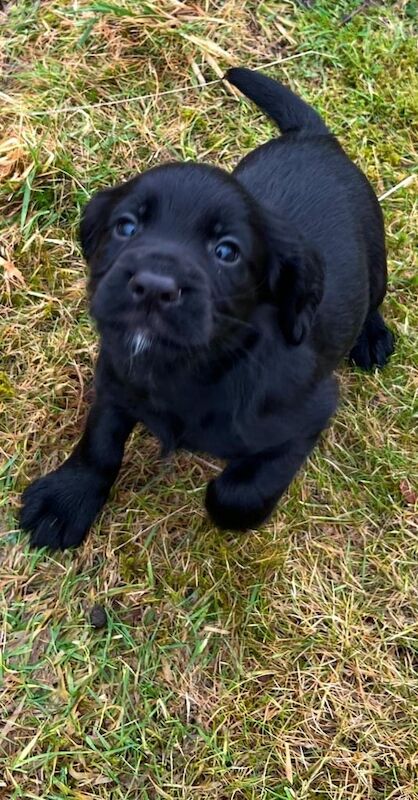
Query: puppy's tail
[{"x": 288, "y": 111}]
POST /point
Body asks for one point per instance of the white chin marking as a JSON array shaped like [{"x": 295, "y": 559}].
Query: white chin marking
[{"x": 140, "y": 343}]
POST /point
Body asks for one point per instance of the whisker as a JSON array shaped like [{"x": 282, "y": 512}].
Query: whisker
[
  {"x": 239, "y": 323},
  {"x": 231, "y": 348},
  {"x": 248, "y": 293}
]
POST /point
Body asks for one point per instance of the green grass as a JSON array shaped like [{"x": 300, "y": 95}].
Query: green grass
[{"x": 277, "y": 666}]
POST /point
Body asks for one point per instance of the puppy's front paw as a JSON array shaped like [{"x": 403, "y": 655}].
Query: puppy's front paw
[
  {"x": 58, "y": 509},
  {"x": 234, "y": 506}
]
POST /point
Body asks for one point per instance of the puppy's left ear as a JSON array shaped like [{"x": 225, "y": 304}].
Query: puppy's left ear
[
  {"x": 93, "y": 220},
  {"x": 295, "y": 278}
]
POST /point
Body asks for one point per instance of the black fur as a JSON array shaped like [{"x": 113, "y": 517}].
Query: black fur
[{"x": 224, "y": 304}]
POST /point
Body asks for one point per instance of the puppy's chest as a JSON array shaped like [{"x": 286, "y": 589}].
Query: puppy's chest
[
  {"x": 194, "y": 417},
  {"x": 227, "y": 418}
]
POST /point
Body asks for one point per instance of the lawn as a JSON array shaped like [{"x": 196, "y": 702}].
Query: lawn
[{"x": 275, "y": 665}]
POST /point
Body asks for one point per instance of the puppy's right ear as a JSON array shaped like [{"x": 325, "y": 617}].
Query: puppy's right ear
[
  {"x": 295, "y": 278},
  {"x": 93, "y": 221}
]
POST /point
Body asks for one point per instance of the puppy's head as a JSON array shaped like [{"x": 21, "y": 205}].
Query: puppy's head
[{"x": 180, "y": 254}]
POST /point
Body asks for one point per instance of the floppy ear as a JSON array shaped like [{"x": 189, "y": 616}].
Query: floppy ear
[
  {"x": 93, "y": 221},
  {"x": 295, "y": 278},
  {"x": 94, "y": 215}
]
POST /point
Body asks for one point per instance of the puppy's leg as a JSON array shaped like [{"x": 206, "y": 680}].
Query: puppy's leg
[
  {"x": 59, "y": 508},
  {"x": 247, "y": 491},
  {"x": 375, "y": 343}
]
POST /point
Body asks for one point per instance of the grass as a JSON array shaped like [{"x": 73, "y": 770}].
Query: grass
[{"x": 266, "y": 667}]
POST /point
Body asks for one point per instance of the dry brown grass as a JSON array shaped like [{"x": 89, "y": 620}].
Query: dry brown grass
[{"x": 277, "y": 666}]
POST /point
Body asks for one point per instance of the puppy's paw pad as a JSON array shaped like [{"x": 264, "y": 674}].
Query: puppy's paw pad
[
  {"x": 58, "y": 509},
  {"x": 232, "y": 512},
  {"x": 375, "y": 344},
  {"x": 382, "y": 348}
]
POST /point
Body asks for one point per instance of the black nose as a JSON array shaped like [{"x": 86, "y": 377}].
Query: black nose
[{"x": 154, "y": 288}]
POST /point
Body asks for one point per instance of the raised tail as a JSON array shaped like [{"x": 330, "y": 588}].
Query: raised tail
[{"x": 288, "y": 111}]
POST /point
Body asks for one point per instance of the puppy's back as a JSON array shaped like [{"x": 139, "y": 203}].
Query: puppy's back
[{"x": 306, "y": 180}]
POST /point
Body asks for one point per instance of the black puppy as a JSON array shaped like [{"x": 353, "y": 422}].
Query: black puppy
[{"x": 224, "y": 304}]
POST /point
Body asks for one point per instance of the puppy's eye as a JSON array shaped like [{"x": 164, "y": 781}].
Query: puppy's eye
[
  {"x": 227, "y": 251},
  {"x": 126, "y": 227}
]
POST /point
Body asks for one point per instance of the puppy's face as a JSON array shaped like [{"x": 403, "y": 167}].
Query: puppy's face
[{"x": 175, "y": 258}]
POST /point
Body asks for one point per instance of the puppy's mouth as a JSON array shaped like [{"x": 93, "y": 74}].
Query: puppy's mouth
[
  {"x": 140, "y": 342},
  {"x": 143, "y": 342},
  {"x": 145, "y": 333}
]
